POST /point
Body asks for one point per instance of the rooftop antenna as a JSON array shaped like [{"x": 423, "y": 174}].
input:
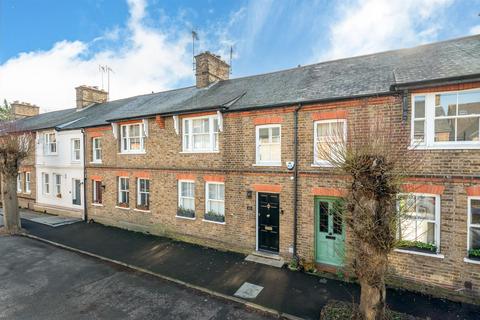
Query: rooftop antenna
[
  {"x": 106, "y": 69},
  {"x": 194, "y": 37},
  {"x": 231, "y": 57}
]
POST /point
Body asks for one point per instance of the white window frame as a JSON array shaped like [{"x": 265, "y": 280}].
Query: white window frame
[
  {"x": 19, "y": 182},
  {"x": 214, "y": 136},
  {"x": 207, "y": 199},
  {"x": 57, "y": 186},
  {"x": 139, "y": 192},
  {"x": 125, "y": 143},
  {"x": 95, "y": 149},
  {"x": 323, "y": 162},
  {"x": 49, "y": 144},
  {"x": 74, "y": 151},
  {"x": 429, "y": 139},
  {"x": 95, "y": 199},
  {"x": 27, "y": 182},
  {"x": 120, "y": 190},
  {"x": 180, "y": 197},
  {"x": 437, "y": 214},
  {"x": 45, "y": 183},
  {"x": 257, "y": 145},
  {"x": 469, "y": 220}
]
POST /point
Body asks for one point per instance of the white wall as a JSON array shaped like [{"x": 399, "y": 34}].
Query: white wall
[{"x": 61, "y": 163}]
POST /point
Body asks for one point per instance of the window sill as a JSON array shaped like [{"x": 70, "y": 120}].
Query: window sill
[
  {"x": 425, "y": 254},
  {"x": 187, "y": 218},
  {"x": 216, "y": 222},
  {"x": 97, "y": 204},
  {"x": 122, "y": 208},
  {"x": 141, "y": 210},
  {"x": 272, "y": 164},
  {"x": 132, "y": 152},
  {"x": 28, "y": 192},
  {"x": 76, "y": 162},
  {"x": 468, "y": 260},
  {"x": 203, "y": 151},
  {"x": 322, "y": 165},
  {"x": 95, "y": 162},
  {"x": 445, "y": 147}
]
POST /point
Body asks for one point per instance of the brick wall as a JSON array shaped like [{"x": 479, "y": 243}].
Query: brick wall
[{"x": 165, "y": 163}]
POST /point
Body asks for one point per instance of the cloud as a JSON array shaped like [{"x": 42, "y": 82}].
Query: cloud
[
  {"x": 475, "y": 29},
  {"x": 143, "y": 58},
  {"x": 362, "y": 27}
]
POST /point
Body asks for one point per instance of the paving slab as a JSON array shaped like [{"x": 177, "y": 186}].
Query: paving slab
[
  {"x": 46, "y": 219},
  {"x": 290, "y": 292}
]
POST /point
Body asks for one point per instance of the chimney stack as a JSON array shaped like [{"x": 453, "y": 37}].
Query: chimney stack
[
  {"x": 209, "y": 69},
  {"x": 89, "y": 95},
  {"x": 22, "y": 110}
]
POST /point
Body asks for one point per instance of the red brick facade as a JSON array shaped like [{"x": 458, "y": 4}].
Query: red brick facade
[{"x": 447, "y": 173}]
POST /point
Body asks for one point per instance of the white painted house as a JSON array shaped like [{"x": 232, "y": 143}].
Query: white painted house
[{"x": 60, "y": 172}]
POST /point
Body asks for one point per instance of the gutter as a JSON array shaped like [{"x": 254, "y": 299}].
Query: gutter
[
  {"x": 295, "y": 185},
  {"x": 85, "y": 214},
  {"x": 435, "y": 82}
]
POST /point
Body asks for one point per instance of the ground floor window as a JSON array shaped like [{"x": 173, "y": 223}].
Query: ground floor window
[
  {"x": 419, "y": 222},
  {"x": 186, "y": 199},
  {"x": 58, "y": 185},
  {"x": 45, "y": 183},
  {"x": 97, "y": 191},
  {"x": 143, "y": 194},
  {"x": 19, "y": 182},
  {"x": 27, "y": 182},
  {"x": 215, "y": 202},
  {"x": 474, "y": 228},
  {"x": 123, "y": 192}
]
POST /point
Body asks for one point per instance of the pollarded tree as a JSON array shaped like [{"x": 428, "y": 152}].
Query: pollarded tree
[
  {"x": 14, "y": 148},
  {"x": 375, "y": 160}
]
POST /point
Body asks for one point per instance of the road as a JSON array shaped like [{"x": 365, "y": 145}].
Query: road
[{"x": 40, "y": 281}]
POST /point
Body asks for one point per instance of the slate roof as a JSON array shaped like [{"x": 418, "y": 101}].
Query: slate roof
[{"x": 344, "y": 78}]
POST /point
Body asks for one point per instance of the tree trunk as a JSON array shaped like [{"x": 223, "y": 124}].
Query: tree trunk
[
  {"x": 11, "y": 214},
  {"x": 372, "y": 301}
]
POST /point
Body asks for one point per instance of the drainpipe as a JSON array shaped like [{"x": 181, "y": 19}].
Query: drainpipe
[
  {"x": 295, "y": 179},
  {"x": 85, "y": 216}
]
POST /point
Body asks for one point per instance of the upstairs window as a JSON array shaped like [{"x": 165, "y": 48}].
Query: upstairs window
[
  {"x": 269, "y": 149},
  {"x": 19, "y": 182},
  {"x": 27, "y": 182},
  {"x": 419, "y": 221},
  {"x": 132, "y": 138},
  {"x": 50, "y": 143},
  {"x": 76, "y": 150},
  {"x": 446, "y": 120},
  {"x": 143, "y": 194},
  {"x": 329, "y": 140},
  {"x": 97, "y": 150},
  {"x": 200, "y": 134}
]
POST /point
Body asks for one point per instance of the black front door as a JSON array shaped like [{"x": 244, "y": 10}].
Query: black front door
[{"x": 268, "y": 221}]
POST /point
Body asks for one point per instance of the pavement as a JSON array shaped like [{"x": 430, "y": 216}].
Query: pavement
[
  {"x": 289, "y": 293},
  {"x": 47, "y": 219},
  {"x": 40, "y": 281}
]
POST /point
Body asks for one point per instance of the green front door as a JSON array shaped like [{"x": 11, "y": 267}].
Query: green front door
[{"x": 329, "y": 231}]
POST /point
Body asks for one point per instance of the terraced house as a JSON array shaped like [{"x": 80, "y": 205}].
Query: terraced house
[{"x": 231, "y": 163}]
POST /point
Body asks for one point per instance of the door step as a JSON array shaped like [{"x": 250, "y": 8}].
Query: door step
[{"x": 267, "y": 259}]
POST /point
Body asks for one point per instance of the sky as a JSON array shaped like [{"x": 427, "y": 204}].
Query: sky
[{"x": 49, "y": 47}]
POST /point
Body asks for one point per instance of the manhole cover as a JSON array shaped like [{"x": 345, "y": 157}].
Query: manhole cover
[{"x": 248, "y": 291}]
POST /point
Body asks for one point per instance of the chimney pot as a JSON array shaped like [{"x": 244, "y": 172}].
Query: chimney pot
[{"x": 210, "y": 68}]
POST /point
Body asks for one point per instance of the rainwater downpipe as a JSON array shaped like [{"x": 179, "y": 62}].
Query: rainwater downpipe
[
  {"x": 85, "y": 216},
  {"x": 295, "y": 179}
]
